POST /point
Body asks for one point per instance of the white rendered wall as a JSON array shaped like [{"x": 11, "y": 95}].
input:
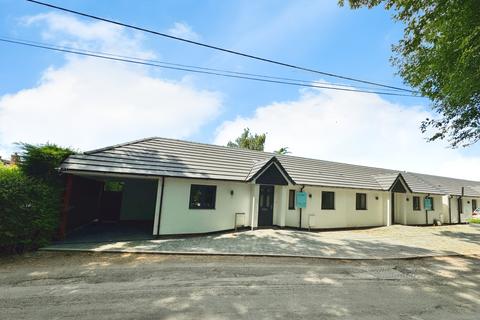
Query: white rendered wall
[
  {"x": 280, "y": 205},
  {"x": 177, "y": 218},
  {"x": 292, "y": 216},
  {"x": 417, "y": 217},
  {"x": 467, "y": 208},
  {"x": 400, "y": 208},
  {"x": 453, "y": 206},
  {"x": 345, "y": 214}
]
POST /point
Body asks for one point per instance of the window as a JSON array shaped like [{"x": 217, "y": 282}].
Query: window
[
  {"x": 416, "y": 203},
  {"x": 361, "y": 202},
  {"x": 474, "y": 204},
  {"x": 460, "y": 205},
  {"x": 291, "y": 199},
  {"x": 202, "y": 197},
  {"x": 328, "y": 200}
]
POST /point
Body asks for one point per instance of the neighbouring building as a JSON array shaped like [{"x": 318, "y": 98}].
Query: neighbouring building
[
  {"x": 14, "y": 160},
  {"x": 182, "y": 187}
]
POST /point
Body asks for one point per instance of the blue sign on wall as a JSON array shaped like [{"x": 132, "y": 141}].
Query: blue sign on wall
[
  {"x": 428, "y": 203},
  {"x": 301, "y": 200}
]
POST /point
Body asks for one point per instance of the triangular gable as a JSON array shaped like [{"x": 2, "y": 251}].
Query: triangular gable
[
  {"x": 399, "y": 185},
  {"x": 269, "y": 172}
]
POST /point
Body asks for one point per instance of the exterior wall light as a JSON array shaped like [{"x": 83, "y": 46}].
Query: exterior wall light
[
  {"x": 408, "y": 199},
  {"x": 376, "y": 197},
  {"x": 309, "y": 195},
  {"x": 231, "y": 192}
]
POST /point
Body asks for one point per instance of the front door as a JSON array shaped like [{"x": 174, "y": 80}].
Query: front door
[{"x": 265, "y": 206}]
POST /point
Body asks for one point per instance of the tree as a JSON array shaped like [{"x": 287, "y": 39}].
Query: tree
[
  {"x": 42, "y": 161},
  {"x": 282, "y": 150},
  {"x": 439, "y": 55},
  {"x": 248, "y": 141}
]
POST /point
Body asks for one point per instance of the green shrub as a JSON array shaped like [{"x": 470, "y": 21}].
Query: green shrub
[
  {"x": 31, "y": 197},
  {"x": 42, "y": 161},
  {"x": 29, "y": 211},
  {"x": 477, "y": 220}
]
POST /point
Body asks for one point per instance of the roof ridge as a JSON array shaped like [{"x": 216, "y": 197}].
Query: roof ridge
[
  {"x": 279, "y": 156},
  {"x": 118, "y": 145},
  {"x": 216, "y": 145}
]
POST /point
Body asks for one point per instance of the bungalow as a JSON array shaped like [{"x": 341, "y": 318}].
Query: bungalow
[{"x": 181, "y": 187}]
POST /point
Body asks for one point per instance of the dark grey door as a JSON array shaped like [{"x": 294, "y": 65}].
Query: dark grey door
[{"x": 265, "y": 206}]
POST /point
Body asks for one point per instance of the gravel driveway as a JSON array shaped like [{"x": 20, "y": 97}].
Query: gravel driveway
[{"x": 378, "y": 243}]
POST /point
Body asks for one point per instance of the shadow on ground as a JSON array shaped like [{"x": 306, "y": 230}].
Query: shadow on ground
[{"x": 342, "y": 245}]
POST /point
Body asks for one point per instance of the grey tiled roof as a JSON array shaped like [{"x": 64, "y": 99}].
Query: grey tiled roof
[
  {"x": 177, "y": 158},
  {"x": 257, "y": 166},
  {"x": 386, "y": 180}
]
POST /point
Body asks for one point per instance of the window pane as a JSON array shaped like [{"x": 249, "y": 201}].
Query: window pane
[
  {"x": 328, "y": 200},
  {"x": 202, "y": 197},
  {"x": 291, "y": 199},
  {"x": 416, "y": 203},
  {"x": 361, "y": 201}
]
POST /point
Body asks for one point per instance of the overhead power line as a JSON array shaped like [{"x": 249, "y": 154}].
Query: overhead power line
[
  {"x": 107, "y": 56},
  {"x": 191, "y": 66},
  {"x": 246, "y": 55}
]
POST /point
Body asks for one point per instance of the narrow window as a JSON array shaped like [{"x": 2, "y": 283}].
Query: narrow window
[
  {"x": 460, "y": 205},
  {"x": 474, "y": 204},
  {"x": 202, "y": 197},
  {"x": 361, "y": 202},
  {"x": 291, "y": 199},
  {"x": 328, "y": 200},
  {"x": 416, "y": 203}
]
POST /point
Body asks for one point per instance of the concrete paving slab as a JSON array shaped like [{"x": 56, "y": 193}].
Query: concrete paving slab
[{"x": 394, "y": 242}]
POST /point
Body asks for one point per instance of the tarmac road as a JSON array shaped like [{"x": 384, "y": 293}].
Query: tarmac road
[{"x": 54, "y": 285}]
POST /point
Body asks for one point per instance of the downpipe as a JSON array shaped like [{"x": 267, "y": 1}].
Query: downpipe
[{"x": 300, "y": 220}]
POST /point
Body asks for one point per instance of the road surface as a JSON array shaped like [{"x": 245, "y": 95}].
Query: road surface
[{"x": 52, "y": 285}]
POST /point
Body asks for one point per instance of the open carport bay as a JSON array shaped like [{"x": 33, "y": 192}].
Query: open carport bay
[{"x": 109, "y": 209}]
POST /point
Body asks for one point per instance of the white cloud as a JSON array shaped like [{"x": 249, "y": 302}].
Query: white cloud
[
  {"x": 183, "y": 30},
  {"x": 354, "y": 128},
  {"x": 89, "y": 103},
  {"x": 96, "y": 35}
]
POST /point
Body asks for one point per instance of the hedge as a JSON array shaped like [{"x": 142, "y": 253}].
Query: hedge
[{"x": 29, "y": 211}]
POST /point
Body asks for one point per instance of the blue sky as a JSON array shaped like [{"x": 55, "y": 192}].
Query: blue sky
[{"x": 48, "y": 96}]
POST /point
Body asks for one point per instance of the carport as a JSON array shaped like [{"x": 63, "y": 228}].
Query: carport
[{"x": 107, "y": 208}]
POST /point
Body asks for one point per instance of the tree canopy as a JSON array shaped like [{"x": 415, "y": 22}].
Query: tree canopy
[
  {"x": 249, "y": 141},
  {"x": 42, "y": 161},
  {"x": 439, "y": 55},
  {"x": 282, "y": 150}
]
